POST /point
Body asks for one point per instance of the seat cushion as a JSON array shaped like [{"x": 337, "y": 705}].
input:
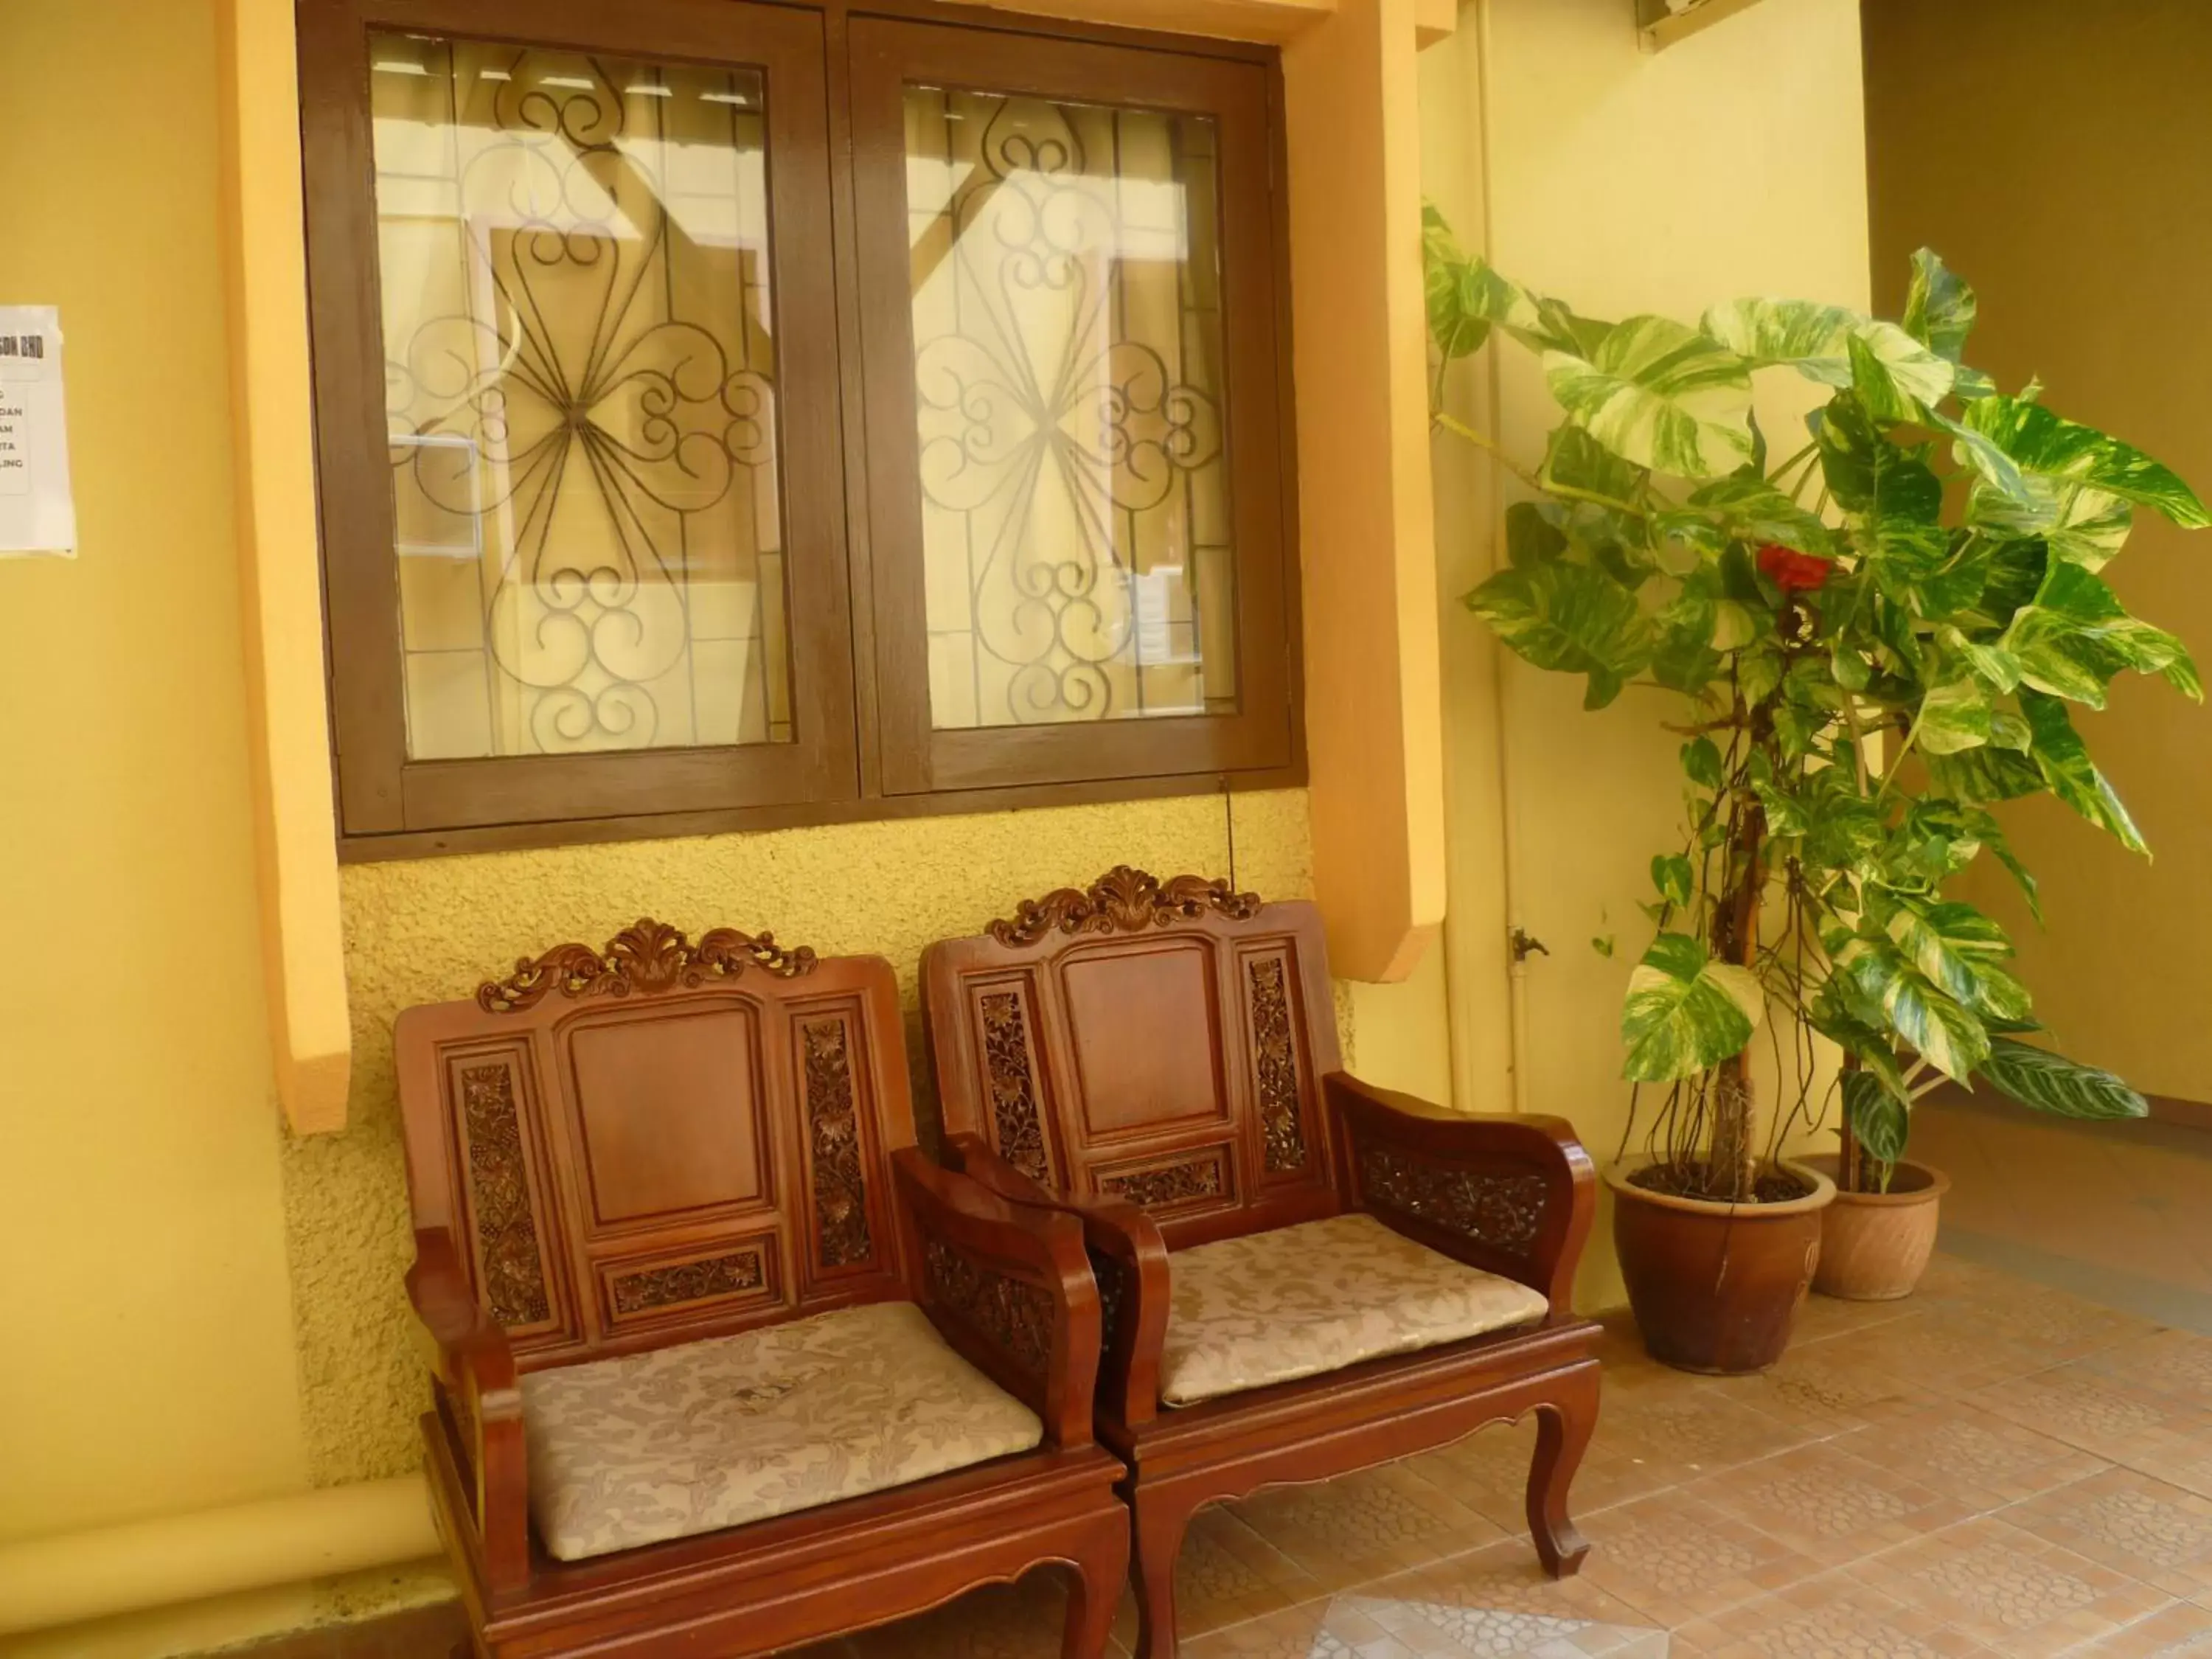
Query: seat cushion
[
  {"x": 713, "y": 1434},
  {"x": 1276, "y": 1306}
]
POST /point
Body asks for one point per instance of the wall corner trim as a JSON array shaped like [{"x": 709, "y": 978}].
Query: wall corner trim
[
  {"x": 296, "y": 827},
  {"x": 1373, "y": 699}
]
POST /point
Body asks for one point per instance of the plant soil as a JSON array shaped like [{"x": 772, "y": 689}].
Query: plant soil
[{"x": 1772, "y": 1186}]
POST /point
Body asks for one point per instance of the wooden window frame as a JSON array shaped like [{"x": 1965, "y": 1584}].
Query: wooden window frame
[
  {"x": 888, "y": 54},
  {"x": 864, "y": 747}
]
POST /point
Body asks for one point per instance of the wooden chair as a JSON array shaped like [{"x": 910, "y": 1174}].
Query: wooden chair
[
  {"x": 722, "y": 1364},
  {"x": 1303, "y": 1274}
]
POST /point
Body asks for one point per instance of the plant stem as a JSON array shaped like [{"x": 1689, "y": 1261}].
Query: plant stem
[
  {"x": 1784, "y": 470},
  {"x": 1565, "y": 492},
  {"x": 1858, "y": 738}
]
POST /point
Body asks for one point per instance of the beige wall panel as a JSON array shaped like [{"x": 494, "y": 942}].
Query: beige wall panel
[{"x": 2085, "y": 232}]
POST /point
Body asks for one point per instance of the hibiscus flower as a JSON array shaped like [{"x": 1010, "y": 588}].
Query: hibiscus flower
[{"x": 1794, "y": 571}]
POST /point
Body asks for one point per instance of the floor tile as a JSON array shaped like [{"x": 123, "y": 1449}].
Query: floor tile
[
  {"x": 2131, "y": 1522},
  {"x": 2176, "y": 1362},
  {"x": 1674, "y": 1558},
  {"x": 1365, "y": 1525},
  {"x": 1834, "y": 1616},
  {"x": 2158, "y": 1433},
  {"x": 1980, "y": 1460},
  {"x": 2020, "y": 1595},
  {"x": 1829, "y": 1504},
  {"x": 2183, "y": 1630}
]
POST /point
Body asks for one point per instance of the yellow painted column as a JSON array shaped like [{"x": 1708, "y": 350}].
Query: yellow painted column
[
  {"x": 288, "y": 727},
  {"x": 1374, "y": 733}
]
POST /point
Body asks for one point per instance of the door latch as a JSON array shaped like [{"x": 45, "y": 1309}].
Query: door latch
[{"x": 1524, "y": 944}]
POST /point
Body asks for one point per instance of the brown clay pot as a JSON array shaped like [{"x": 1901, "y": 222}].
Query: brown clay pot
[
  {"x": 1875, "y": 1246},
  {"x": 1716, "y": 1287}
]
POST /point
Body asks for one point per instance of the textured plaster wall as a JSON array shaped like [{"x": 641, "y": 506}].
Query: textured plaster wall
[{"x": 429, "y": 930}]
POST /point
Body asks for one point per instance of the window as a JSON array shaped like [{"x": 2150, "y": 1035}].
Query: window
[{"x": 678, "y": 473}]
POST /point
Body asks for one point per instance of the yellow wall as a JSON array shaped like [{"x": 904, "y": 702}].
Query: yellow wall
[
  {"x": 2084, "y": 233},
  {"x": 149, "y": 1350},
  {"x": 1729, "y": 163}
]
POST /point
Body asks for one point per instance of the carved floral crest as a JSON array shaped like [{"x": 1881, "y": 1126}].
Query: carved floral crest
[
  {"x": 646, "y": 958},
  {"x": 1126, "y": 901}
]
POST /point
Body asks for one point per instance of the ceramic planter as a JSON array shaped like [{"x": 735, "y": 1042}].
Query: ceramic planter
[
  {"x": 1875, "y": 1246},
  {"x": 1716, "y": 1287}
]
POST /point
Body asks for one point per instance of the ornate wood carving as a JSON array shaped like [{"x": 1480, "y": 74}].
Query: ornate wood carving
[
  {"x": 1275, "y": 1067},
  {"x": 1167, "y": 1183},
  {"x": 689, "y": 1281},
  {"x": 1123, "y": 900},
  {"x": 644, "y": 959},
  {"x": 1502, "y": 1208},
  {"x": 1014, "y": 1314},
  {"x": 833, "y": 1127},
  {"x": 499, "y": 1190},
  {"x": 1014, "y": 1113}
]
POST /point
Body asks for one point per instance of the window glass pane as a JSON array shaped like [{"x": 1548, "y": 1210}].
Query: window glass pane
[
  {"x": 1069, "y": 375},
  {"x": 580, "y": 373}
]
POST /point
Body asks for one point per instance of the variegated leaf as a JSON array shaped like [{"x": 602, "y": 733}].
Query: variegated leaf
[
  {"x": 2043, "y": 445},
  {"x": 2080, "y": 525},
  {"x": 1661, "y": 395},
  {"x": 1684, "y": 1011},
  {"x": 1939, "y": 307},
  {"x": 1569, "y": 617},
  {"x": 2051, "y": 1082},
  {"x": 2063, "y": 760},
  {"x": 1825, "y": 343}
]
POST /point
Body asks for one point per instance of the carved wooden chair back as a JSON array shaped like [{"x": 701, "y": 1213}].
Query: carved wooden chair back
[
  {"x": 1161, "y": 1042},
  {"x": 663, "y": 1140}
]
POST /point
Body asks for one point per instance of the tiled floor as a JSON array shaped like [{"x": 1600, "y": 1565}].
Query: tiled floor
[{"x": 1998, "y": 1468}]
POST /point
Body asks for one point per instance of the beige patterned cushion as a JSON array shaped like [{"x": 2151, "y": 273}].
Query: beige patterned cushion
[
  {"x": 1298, "y": 1301},
  {"x": 713, "y": 1434}
]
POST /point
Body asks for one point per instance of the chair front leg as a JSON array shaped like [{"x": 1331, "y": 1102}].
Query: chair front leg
[
  {"x": 1563, "y": 1425},
  {"x": 1095, "y": 1591},
  {"x": 1158, "y": 1521}
]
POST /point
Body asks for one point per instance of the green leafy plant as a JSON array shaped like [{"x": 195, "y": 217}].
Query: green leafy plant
[{"x": 1873, "y": 639}]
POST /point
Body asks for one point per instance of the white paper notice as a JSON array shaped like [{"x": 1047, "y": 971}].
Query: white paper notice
[{"x": 37, "y": 515}]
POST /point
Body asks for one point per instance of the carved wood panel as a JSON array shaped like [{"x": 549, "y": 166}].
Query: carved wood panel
[
  {"x": 1502, "y": 1208},
  {"x": 510, "y": 1250},
  {"x": 838, "y": 1186},
  {"x": 639, "y": 1290},
  {"x": 1278, "y": 1087},
  {"x": 1017, "y": 1315},
  {"x": 1011, "y": 1072},
  {"x": 1199, "y": 1179}
]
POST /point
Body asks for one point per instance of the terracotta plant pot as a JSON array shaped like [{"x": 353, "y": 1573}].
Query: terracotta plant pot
[
  {"x": 1875, "y": 1246},
  {"x": 1716, "y": 1287}
]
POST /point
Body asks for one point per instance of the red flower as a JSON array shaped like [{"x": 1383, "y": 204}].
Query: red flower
[{"x": 1794, "y": 571}]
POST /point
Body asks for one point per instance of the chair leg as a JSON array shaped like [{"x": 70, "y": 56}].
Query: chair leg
[
  {"x": 1563, "y": 1433},
  {"x": 1095, "y": 1591},
  {"x": 1158, "y": 1524}
]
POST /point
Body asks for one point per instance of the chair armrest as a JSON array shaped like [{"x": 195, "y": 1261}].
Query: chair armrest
[
  {"x": 1512, "y": 1194},
  {"x": 1010, "y": 1286},
  {"x": 1129, "y": 1259},
  {"x": 480, "y": 1397}
]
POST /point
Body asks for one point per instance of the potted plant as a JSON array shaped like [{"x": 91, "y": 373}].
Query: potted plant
[{"x": 1867, "y": 643}]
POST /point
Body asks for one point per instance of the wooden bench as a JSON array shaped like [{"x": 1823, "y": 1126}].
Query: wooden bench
[
  {"x": 720, "y": 1363},
  {"x": 1304, "y": 1274}
]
